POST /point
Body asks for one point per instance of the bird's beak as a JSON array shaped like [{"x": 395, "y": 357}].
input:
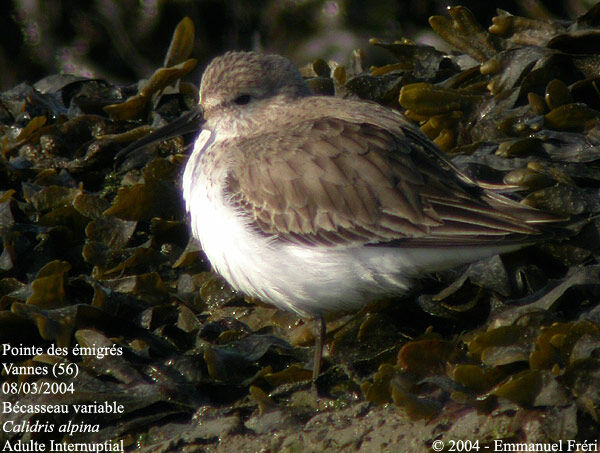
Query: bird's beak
[{"x": 187, "y": 123}]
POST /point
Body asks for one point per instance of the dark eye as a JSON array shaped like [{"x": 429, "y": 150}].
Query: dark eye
[{"x": 242, "y": 99}]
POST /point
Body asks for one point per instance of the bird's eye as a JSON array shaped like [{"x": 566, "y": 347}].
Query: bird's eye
[{"x": 243, "y": 99}]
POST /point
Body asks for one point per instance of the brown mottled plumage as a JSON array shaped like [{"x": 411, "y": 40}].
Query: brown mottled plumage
[{"x": 320, "y": 204}]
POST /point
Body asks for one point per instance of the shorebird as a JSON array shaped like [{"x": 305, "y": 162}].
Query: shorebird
[{"x": 321, "y": 205}]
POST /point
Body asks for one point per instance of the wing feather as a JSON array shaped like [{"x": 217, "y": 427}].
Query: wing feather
[{"x": 342, "y": 181}]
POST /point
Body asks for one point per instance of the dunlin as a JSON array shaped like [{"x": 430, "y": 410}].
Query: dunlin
[{"x": 321, "y": 205}]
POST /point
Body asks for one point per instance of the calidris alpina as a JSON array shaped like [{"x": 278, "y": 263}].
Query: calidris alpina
[{"x": 321, "y": 205}]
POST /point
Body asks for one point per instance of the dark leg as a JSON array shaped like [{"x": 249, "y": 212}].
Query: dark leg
[{"x": 321, "y": 330}]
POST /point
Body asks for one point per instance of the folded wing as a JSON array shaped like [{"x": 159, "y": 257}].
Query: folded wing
[{"x": 333, "y": 181}]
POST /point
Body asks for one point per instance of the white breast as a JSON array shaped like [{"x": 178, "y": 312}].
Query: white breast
[
  {"x": 243, "y": 257},
  {"x": 292, "y": 277},
  {"x": 307, "y": 280}
]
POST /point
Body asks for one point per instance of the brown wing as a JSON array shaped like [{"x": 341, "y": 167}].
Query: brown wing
[{"x": 331, "y": 181}]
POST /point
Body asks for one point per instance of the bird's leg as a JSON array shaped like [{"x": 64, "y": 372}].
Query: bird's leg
[{"x": 321, "y": 330}]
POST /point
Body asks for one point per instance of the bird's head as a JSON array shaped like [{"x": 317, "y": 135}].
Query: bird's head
[{"x": 240, "y": 81}]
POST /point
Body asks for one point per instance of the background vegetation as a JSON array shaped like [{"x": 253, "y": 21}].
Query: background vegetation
[{"x": 125, "y": 40}]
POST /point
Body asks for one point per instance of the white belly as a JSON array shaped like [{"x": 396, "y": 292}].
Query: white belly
[{"x": 306, "y": 280}]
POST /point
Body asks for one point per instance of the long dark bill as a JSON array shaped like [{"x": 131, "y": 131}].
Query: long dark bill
[{"x": 187, "y": 123}]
